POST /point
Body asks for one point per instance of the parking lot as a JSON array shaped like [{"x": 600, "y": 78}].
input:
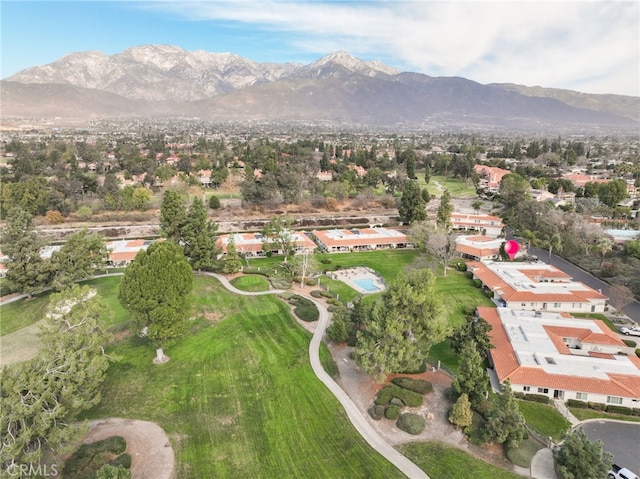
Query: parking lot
[{"x": 622, "y": 439}]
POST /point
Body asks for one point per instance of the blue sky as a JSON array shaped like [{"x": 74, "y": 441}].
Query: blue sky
[{"x": 589, "y": 46}]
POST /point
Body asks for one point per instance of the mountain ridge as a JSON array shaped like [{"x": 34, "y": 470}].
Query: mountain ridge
[{"x": 166, "y": 80}]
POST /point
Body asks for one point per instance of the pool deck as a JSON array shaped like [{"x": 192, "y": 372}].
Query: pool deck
[{"x": 348, "y": 276}]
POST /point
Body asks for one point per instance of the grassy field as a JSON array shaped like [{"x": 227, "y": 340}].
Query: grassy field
[
  {"x": 251, "y": 282},
  {"x": 22, "y": 313},
  {"x": 386, "y": 262},
  {"x": 457, "y": 187},
  {"x": 544, "y": 419},
  {"x": 239, "y": 399},
  {"x": 441, "y": 461}
]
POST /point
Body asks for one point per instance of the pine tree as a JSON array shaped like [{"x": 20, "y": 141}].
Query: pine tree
[
  {"x": 505, "y": 423},
  {"x": 578, "y": 457},
  {"x": 402, "y": 327},
  {"x": 172, "y": 215},
  {"x": 443, "y": 217},
  {"x": 232, "y": 262},
  {"x": 472, "y": 378},
  {"x": 41, "y": 397},
  {"x": 461, "y": 414},
  {"x": 157, "y": 289},
  {"x": 79, "y": 257},
  {"x": 199, "y": 237},
  {"x": 412, "y": 206},
  {"x": 27, "y": 271}
]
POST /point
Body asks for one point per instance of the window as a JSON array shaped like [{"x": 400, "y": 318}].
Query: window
[
  {"x": 581, "y": 396},
  {"x": 524, "y": 305},
  {"x": 526, "y": 388},
  {"x": 543, "y": 390},
  {"x": 614, "y": 400},
  {"x": 575, "y": 305}
]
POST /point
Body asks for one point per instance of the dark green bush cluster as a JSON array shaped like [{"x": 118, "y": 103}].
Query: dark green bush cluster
[
  {"x": 597, "y": 406},
  {"x": 541, "y": 398},
  {"x": 393, "y": 411},
  {"x": 416, "y": 385},
  {"x": 629, "y": 343},
  {"x": 411, "y": 423},
  {"x": 615, "y": 409},
  {"x": 325, "y": 260},
  {"x": 390, "y": 391},
  {"x": 316, "y": 293},
  {"x": 89, "y": 458},
  {"x": 477, "y": 283},
  {"x": 376, "y": 412},
  {"x": 304, "y": 308},
  {"x": 577, "y": 404}
]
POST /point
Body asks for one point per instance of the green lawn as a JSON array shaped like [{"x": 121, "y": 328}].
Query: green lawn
[
  {"x": 544, "y": 419},
  {"x": 602, "y": 317},
  {"x": 251, "y": 282},
  {"x": 458, "y": 295},
  {"x": 583, "y": 414},
  {"x": 441, "y": 461},
  {"x": 457, "y": 187},
  {"x": 238, "y": 397},
  {"x": 344, "y": 292},
  {"x": 386, "y": 262},
  {"x": 17, "y": 315}
]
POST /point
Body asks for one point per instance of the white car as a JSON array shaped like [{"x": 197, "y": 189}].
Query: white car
[{"x": 635, "y": 331}]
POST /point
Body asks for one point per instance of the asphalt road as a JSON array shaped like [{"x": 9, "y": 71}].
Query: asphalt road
[
  {"x": 631, "y": 309},
  {"x": 622, "y": 439}
]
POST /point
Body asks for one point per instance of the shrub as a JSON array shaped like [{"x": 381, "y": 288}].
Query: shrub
[
  {"x": 629, "y": 343},
  {"x": 390, "y": 391},
  {"x": 325, "y": 260},
  {"x": 420, "y": 369},
  {"x": 122, "y": 459},
  {"x": 541, "y": 398},
  {"x": 416, "y": 385},
  {"x": 411, "y": 423},
  {"x": 84, "y": 213},
  {"x": 316, "y": 293},
  {"x": 477, "y": 283},
  {"x": 638, "y": 352},
  {"x": 577, "y": 404},
  {"x": 214, "y": 202},
  {"x": 597, "y": 406},
  {"x": 54, "y": 217},
  {"x": 469, "y": 274},
  {"x": 635, "y": 412},
  {"x": 612, "y": 408},
  {"x": 393, "y": 411},
  {"x": 376, "y": 412}
]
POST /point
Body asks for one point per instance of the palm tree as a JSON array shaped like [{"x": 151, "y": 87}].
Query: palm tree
[
  {"x": 476, "y": 205},
  {"x": 604, "y": 246},
  {"x": 554, "y": 242}
]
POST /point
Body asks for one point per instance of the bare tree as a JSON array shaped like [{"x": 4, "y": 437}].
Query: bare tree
[{"x": 442, "y": 245}]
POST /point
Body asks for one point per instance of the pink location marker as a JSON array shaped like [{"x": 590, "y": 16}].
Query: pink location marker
[{"x": 511, "y": 247}]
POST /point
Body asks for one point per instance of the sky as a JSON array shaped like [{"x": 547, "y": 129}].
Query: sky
[{"x": 588, "y": 46}]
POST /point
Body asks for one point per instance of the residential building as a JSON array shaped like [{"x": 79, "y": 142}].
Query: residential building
[
  {"x": 251, "y": 245},
  {"x": 123, "y": 252},
  {"x": 490, "y": 177},
  {"x": 478, "y": 247},
  {"x": 536, "y": 287},
  {"x": 365, "y": 239},
  {"x": 486, "y": 225},
  {"x": 561, "y": 357}
]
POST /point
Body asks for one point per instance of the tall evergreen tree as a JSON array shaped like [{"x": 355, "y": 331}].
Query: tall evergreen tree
[
  {"x": 199, "y": 237},
  {"x": 172, "y": 215},
  {"x": 402, "y": 327},
  {"x": 79, "y": 257},
  {"x": 579, "y": 458},
  {"x": 412, "y": 206},
  {"x": 27, "y": 271},
  {"x": 232, "y": 262},
  {"x": 505, "y": 423},
  {"x": 472, "y": 378},
  {"x": 157, "y": 289},
  {"x": 443, "y": 216},
  {"x": 41, "y": 398}
]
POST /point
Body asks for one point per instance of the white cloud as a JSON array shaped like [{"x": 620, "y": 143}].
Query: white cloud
[{"x": 591, "y": 46}]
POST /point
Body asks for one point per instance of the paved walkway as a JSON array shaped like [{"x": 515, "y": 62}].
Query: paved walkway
[{"x": 369, "y": 434}]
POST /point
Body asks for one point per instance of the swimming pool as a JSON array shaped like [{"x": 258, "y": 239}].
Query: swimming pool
[{"x": 367, "y": 284}]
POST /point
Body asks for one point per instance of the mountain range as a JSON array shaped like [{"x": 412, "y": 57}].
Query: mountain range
[{"x": 167, "y": 81}]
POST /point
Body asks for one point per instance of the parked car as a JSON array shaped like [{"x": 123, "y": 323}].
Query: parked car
[
  {"x": 635, "y": 331},
  {"x": 618, "y": 472}
]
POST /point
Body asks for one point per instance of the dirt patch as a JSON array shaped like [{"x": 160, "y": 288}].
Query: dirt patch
[
  {"x": 213, "y": 316},
  {"x": 151, "y": 452}
]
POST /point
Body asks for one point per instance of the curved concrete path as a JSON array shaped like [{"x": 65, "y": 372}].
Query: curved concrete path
[{"x": 369, "y": 434}]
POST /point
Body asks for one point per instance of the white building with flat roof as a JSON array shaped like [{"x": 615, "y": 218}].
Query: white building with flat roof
[{"x": 562, "y": 357}]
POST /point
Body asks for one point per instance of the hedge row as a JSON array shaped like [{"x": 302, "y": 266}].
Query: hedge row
[
  {"x": 416, "y": 385},
  {"x": 541, "y": 398},
  {"x": 304, "y": 308},
  {"x": 390, "y": 391},
  {"x": 612, "y": 408}
]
